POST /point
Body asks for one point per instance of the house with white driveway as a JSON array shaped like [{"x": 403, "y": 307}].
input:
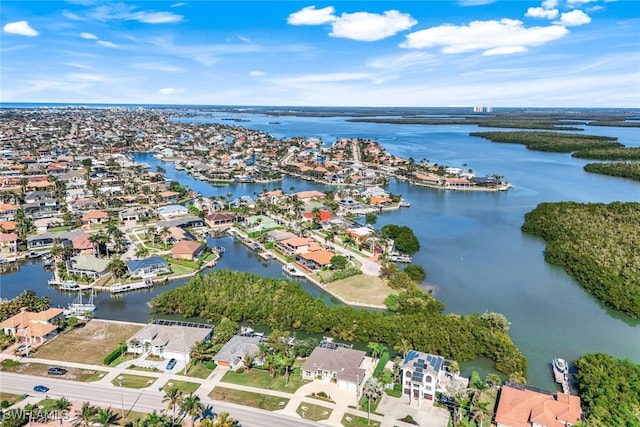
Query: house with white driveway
[
  {"x": 336, "y": 363},
  {"x": 420, "y": 375},
  {"x": 169, "y": 341}
]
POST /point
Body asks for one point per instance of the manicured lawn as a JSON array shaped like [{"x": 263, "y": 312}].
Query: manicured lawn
[
  {"x": 199, "y": 371},
  {"x": 312, "y": 412},
  {"x": 40, "y": 369},
  {"x": 185, "y": 386},
  {"x": 133, "y": 381},
  {"x": 351, "y": 420},
  {"x": 361, "y": 288},
  {"x": 179, "y": 270},
  {"x": 129, "y": 416},
  {"x": 10, "y": 397},
  {"x": 262, "y": 379},
  {"x": 248, "y": 398},
  {"x": 123, "y": 358},
  {"x": 88, "y": 344}
]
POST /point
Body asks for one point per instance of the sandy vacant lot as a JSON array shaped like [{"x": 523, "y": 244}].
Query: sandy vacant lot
[
  {"x": 89, "y": 344},
  {"x": 361, "y": 288}
]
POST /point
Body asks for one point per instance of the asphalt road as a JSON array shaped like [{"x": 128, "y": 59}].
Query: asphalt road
[{"x": 143, "y": 400}]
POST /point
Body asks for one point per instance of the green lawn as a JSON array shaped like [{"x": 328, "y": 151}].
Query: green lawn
[
  {"x": 262, "y": 379},
  {"x": 248, "y": 398},
  {"x": 179, "y": 270},
  {"x": 351, "y": 420},
  {"x": 123, "y": 358},
  {"x": 312, "y": 412},
  {"x": 10, "y": 397},
  {"x": 133, "y": 381},
  {"x": 40, "y": 369},
  {"x": 200, "y": 370},
  {"x": 185, "y": 387}
]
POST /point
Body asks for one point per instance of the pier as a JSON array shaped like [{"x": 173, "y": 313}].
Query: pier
[
  {"x": 561, "y": 378},
  {"x": 124, "y": 287}
]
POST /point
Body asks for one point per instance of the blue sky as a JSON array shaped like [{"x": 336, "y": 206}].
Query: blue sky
[{"x": 539, "y": 53}]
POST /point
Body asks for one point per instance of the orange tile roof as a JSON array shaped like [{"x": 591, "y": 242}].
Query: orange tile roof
[
  {"x": 186, "y": 247},
  {"x": 95, "y": 214},
  {"x": 520, "y": 408},
  {"x": 8, "y": 226},
  {"x": 8, "y": 237},
  {"x": 297, "y": 241},
  {"x": 322, "y": 256},
  {"x": 7, "y": 207}
]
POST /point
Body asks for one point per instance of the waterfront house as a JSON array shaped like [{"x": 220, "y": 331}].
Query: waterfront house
[
  {"x": 297, "y": 245},
  {"x": 234, "y": 351},
  {"x": 8, "y": 226},
  {"x": 148, "y": 267},
  {"x": 315, "y": 260},
  {"x": 8, "y": 211},
  {"x": 182, "y": 222},
  {"x": 307, "y": 196},
  {"x": 46, "y": 240},
  {"x": 95, "y": 217},
  {"x": 420, "y": 375},
  {"x": 8, "y": 245},
  {"x": 169, "y": 196},
  {"x": 338, "y": 364},
  {"x": 168, "y": 341},
  {"x": 521, "y": 407},
  {"x": 82, "y": 204},
  {"x": 32, "y": 327},
  {"x": 220, "y": 219},
  {"x": 171, "y": 211},
  {"x": 187, "y": 249},
  {"x": 88, "y": 266}
]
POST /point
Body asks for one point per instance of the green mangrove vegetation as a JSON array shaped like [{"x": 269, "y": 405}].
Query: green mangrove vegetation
[
  {"x": 609, "y": 389},
  {"x": 550, "y": 141},
  {"x": 598, "y": 244},
  {"x": 630, "y": 170},
  {"x": 611, "y": 153},
  {"x": 280, "y": 304}
]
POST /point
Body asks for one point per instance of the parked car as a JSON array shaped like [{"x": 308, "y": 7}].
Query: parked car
[
  {"x": 41, "y": 389},
  {"x": 56, "y": 371},
  {"x": 24, "y": 347},
  {"x": 171, "y": 364}
]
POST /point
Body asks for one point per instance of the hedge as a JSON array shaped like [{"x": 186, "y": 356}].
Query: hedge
[{"x": 114, "y": 354}]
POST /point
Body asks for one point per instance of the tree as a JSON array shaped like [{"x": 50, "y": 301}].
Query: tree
[
  {"x": 85, "y": 415},
  {"x": 496, "y": 321},
  {"x": 62, "y": 406},
  {"x": 225, "y": 330},
  {"x": 404, "y": 346},
  {"x": 72, "y": 322},
  {"x": 157, "y": 420},
  {"x": 376, "y": 349},
  {"x": 223, "y": 419},
  {"x": 192, "y": 407},
  {"x": 372, "y": 390},
  {"x": 454, "y": 368},
  {"x": 173, "y": 398},
  {"x": 117, "y": 267},
  {"x": 202, "y": 351},
  {"x": 106, "y": 417},
  {"x": 339, "y": 262},
  {"x": 416, "y": 272}
]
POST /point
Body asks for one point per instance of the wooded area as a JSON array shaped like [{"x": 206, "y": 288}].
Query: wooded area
[{"x": 619, "y": 169}]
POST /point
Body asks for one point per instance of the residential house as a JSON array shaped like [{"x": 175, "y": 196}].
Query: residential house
[
  {"x": 171, "y": 341},
  {"x": 82, "y": 204},
  {"x": 95, "y": 217},
  {"x": 8, "y": 226},
  {"x": 129, "y": 215},
  {"x": 234, "y": 351},
  {"x": 315, "y": 260},
  {"x": 169, "y": 196},
  {"x": 307, "y": 196},
  {"x": 220, "y": 219},
  {"x": 171, "y": 211},
  {"x": 88, "y": 266},
  {"x": 520, "y": 407},
  {"x": 148, "y": 267},
  {"x": 7, "y": 211},
  {"x": 183, "y": 222},
  {"x": 8, "y": 245},
  {"x": 82, "y": 245},
  {"x": 279, "y": 235},
  {"x": 46, "y": 240},
  {"x": 32, "y": 327},
  {"x": 420, "y": 374},
  {"x": 297, "y": 245},
  {"x": 336, "y": 363},
  {"x": 188, "y": 249}
]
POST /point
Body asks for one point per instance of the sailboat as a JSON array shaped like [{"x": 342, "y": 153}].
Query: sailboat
[{"x": 77, "y": 307}]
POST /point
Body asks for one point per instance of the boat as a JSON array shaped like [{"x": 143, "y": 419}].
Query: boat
[
  {"x": 560, "y": 365},
  {"x": 69, "y": 285},
  {"x": 291, "y": 270},
  {"x": 395, "y": 257},
  {"x": 403, "y": 203},
  {"x": 77, "y": 307}
]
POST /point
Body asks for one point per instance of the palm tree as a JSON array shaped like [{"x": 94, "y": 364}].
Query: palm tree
[
  {"x": 404, "y": 346},
  {"x": 372, "y": 390},
  {"x": 223, "y": 419},
  {"x": 85, "y": 415},
  {"x": 201, "y": 351},
  {"x": 192, "y": 407},
  {"x": 138, "y": 422},
  {"x": 117, "y": 267},
  {"x": 173, "y": 397},
  {"x": 106, "y": 417},
  {"x": 62, "y": 406},
  {"x": 156, "y": 420}
]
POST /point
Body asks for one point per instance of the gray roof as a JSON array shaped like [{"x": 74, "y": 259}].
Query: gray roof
[
  {"x": 62, "y": 235},
  {"x": 345, "y": 362},
  {"x": 421, "y": 364},
  {"x": 89, "y": 263},
  {"x": 179, "y": 222},
  {"x": 173, "y": 337},
  {"x": 238, "y": 347},
  {"x": 279, "y": 235}
]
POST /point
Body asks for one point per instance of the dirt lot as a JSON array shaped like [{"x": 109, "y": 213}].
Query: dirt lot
[
  {"x": 89, "y": 344},
  {"x": 40, "y": 369},
  {"x": 361, "y": 288}
]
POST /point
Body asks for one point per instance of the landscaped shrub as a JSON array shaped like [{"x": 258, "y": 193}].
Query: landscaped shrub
[
  {"x": 114, "y": 354},
  {"x": 4, "y": 404}
]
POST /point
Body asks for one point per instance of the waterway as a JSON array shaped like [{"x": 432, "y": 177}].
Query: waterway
[{"x": 475, "y": 255}]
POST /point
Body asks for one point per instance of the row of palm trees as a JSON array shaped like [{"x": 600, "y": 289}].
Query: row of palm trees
[{"x": 180, "y": 405}]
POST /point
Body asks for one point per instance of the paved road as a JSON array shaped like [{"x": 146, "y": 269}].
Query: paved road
[{"x": 144, "y": 400}]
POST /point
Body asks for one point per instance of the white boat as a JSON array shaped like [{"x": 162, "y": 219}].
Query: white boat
[
  {"x": 291, "y": 270},
  {"x": 561, "y": 365},
  {"x": 77, "y": 307},
  {"x": 69, "y": 285},
  {"x": 404, "y": 204},
  {"x": 395, "y": 257}
]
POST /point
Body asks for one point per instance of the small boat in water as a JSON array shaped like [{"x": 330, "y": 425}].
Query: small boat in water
[
  {"x": 561, "y": 365},
  {"x": 69, "y": 285},
  {"x": 291, "y": 270},
  {"x": 79, "y": 308}
]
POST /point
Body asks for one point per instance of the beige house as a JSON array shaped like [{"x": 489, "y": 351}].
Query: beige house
[
  {"x": 32, "y": 327},
  {"x": 8, "y": 245},
  {"x": 168, "y": 341},
  {"x": 338, "y": 364},
  {"x": 187, "y": 249}
]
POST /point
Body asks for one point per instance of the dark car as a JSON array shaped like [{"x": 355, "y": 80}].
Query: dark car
[
  {"x": 41, "y": 389},
  {"x": 171, "y": 364},
  {"x": 56, "y": 371}
]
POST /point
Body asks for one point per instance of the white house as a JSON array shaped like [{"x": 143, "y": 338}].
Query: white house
[
  {"x": 420, "y": 373},
  {"x": 339, "y": 364},
  {"x": 171, "y": 341}
]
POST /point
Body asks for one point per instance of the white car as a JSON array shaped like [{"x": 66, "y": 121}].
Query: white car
[{"x": 24, "y": 347}]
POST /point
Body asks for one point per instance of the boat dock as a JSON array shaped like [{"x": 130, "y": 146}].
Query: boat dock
[
  {"x": 124, "y": 287},
  {"x": 400, "y": 258},
  {"x": 561, "y": 378}
]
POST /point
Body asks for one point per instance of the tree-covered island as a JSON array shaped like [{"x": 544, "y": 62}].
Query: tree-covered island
[
  {"x": 598, "y": 244},
  {"x": 280, "y": 304}
]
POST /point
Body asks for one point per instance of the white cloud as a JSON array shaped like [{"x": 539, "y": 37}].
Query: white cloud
[
  {"x": 257, "y": 73},
  {"x": 539, "y": 12},
  {"x": 157, "y": 66},
  {"x": 574, "y": 18},
  {"x": 550, "y": 4},
  {"x": 169, "y": 91},
  {"x": 88, "y": 36},
  {"x": 327, "y": 78},
  {"x": 504, "y": 36},
  {"x": 506, "y": 50},
  {"x": 21, "y": 28},
  {"x": 85, "y": 77},
  {"x": 572, "y": 3},
  {"x": 155, "y": 17},
  {"x": 365, "y": 26},
  {"x": 179, "y": 4},
  {"x": 73, "y": 16},
  {"x": 312, "y": 16},
  {"x": 121, "y": 11},
  {"x": 399, "y": 62},
  {"x": 107, "y": 44}
]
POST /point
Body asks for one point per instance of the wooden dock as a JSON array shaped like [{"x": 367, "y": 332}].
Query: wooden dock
[
  {"x": 125, "y": 287},
  {"x": 561, "y": 378}
]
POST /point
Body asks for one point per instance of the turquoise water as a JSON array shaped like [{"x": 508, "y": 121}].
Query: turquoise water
[{"x": 475, "y": 255}]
